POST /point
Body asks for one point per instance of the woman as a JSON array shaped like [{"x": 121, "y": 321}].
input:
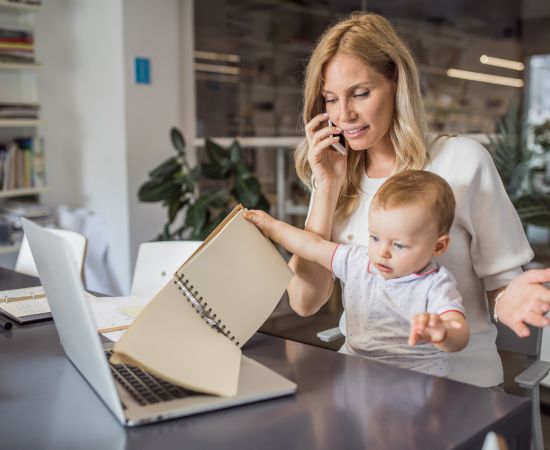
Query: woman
[{"x": 363, "y": 79}]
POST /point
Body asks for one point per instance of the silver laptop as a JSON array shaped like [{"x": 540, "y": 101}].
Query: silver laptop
[{"x": 133, "y": 396}]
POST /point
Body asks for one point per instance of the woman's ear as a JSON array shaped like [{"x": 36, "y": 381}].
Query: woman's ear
[{"x": 441, "y": 245}]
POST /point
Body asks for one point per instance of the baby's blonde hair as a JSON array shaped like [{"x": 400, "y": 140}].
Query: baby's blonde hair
[
  {"x": 415, "y": 186},
  {"x": 371, "y": 38}
]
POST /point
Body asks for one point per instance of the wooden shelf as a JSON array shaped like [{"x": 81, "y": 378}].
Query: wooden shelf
[
  {"x": 18, "y": 7},
  {"x": 4, "y": 249},
  {"x": 274, "y": 142},
  {"x": 19, "y": 66},
  {"x": 22, "y": 192},
  {"x": 19, "y": 123}
]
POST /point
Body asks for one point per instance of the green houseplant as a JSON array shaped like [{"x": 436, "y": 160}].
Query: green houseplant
[
  {"x": 203, "y": 195},
  {"x": 513, "y": 160}
]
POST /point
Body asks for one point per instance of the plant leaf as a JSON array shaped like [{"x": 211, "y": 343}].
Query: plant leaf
[
  {"x": 156, "y": 191},
  {"x": 174, "y": 206},
  {"x": 214, "y": 199},
  {"x": 214, "y": 152},
  {"x": 213, "y": 224},
  {"x": 241, "y": 170},
  {"x": 247, "y": 191},
  {"x": 178, "y": 142},
  {"x": 263, "y": 204},
  {"x": 213, "y": 171},
  {"x": 166, "y": 169},
  {"x": 235, "y": 152},
  {"x": 534, "y": 209},
  {"x": 197, "y": 216}
]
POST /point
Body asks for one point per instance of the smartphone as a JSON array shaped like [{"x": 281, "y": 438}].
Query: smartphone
[{"x": 340, "y": 146}]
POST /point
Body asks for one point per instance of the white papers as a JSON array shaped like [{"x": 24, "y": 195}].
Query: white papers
[
  {"x": 24, "y": 302},
  {"x": 110, "y": 313},
  {"x": 116, "y": 313},
  {"x": 26, "y": 307},
  {"x": 114, "y": 336}
]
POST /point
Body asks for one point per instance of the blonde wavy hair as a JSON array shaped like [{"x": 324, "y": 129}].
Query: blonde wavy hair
[{"x": 370, "y": 37}]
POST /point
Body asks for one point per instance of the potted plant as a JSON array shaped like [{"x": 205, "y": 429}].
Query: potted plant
[
  {"x": 513, "y": 160},
  {"x": 203, "y": 195}
]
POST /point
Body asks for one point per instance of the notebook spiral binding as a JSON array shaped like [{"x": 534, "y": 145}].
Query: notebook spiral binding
[{"x": 201, "y": 307}]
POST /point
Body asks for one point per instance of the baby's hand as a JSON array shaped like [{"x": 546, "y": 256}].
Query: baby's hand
[
  {"x": 429, "y": 328},
  {"x": 261, "y": 219}
]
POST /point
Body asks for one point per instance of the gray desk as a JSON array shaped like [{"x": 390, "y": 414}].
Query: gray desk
[{"x": 342, "y": 402}]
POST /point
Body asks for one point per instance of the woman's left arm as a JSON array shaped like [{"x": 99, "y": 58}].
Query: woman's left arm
[
  {"x": 498, "y": 245},
  {"x": 524, "y": 301}
]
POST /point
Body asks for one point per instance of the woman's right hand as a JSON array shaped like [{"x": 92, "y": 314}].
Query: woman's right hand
[{"x": 327, "y": 165}]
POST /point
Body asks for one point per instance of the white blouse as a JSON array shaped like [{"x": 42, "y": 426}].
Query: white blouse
[{"x": 487, "y": 246}]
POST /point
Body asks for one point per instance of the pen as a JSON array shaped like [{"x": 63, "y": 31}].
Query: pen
[{"x": 5, "y": 323}]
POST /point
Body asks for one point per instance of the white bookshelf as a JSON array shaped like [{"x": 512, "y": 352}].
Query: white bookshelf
[
  {"x": 20, "y": 66},
  {"x": 18, "y": 86},
  {"x": 16, "y": 7},
  {"x": 19, "y": 123},
  {"x": 22, "y": 192}
]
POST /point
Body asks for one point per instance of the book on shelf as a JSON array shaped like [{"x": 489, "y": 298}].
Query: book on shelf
[
  {"x": 19, "y": 110},
  {"x": 26, "y": 2},
  {"x": 16, "y": 44},
  {"x": 22, "y": 164},
  {"x": 192, "y": 331}
]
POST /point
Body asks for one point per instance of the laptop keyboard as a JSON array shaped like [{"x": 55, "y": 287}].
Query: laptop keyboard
[{"x": 146, "y": 389}]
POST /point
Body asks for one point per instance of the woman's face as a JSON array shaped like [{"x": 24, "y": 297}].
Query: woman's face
[{"x": 359, "y": 100}]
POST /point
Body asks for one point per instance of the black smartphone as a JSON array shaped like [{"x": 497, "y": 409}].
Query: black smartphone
[{"x": 340, "y": 146}]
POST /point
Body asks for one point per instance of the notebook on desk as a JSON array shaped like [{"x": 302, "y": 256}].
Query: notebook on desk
[
  {"x": 213, "y": 304},
  {"x": 134, "y": 396},
  {"x": 25, "y": 305}
]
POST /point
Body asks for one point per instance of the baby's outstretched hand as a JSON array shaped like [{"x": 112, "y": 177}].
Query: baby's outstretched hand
[
  {"x": 261, "y": 219},
  {"x": 430, "y": 328}
]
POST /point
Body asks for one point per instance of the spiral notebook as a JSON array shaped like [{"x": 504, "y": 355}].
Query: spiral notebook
[{"x": 192, "y": 331}]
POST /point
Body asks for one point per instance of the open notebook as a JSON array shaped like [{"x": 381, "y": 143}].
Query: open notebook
[{"x": 192, "y": 331}]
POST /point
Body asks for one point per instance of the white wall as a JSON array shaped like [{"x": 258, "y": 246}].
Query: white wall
[
  {"x": 150, "y": 31},
  {"x": 82, "y": 92},
  {"x": 103, "y": 132}
]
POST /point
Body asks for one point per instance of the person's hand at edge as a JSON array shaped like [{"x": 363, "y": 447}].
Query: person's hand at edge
[{"x": 525, "y": 301}]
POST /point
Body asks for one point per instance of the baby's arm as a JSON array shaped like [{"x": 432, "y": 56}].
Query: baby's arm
[
  {"x": 448, "y": 331},
  {"x": 304, "y": 244}
]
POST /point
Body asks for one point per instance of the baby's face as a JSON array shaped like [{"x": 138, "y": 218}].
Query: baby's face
[{"x": 402, "y": 240}]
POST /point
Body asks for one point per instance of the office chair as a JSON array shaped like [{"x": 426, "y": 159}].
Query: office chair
[
  {"x": 78, "y": 244},
  {"x": 156, "y": 263},
  {"x": 494, "y": 441},
  {"x": 523, "y": 369}
]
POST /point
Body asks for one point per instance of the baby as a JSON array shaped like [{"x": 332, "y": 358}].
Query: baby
[{"x": 401, "y": 307}]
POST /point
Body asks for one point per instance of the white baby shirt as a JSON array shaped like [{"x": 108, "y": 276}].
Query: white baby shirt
[{"x": 379, "y": 311}]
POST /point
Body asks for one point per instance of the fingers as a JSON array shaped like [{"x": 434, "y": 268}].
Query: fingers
[
  {"x": 259, "y": 218},
  {"x": 424, "y": 320},
  {"x": 420, "y": 320},
  {"x": 540, "y": 292},
  {"x": 253, "y": 216},
  {"x": 536, "y": 320},
  {"x": 434, "y": 320},
  {"x": 313, "y": 124},
  {"x": 420, "y": 324},
  {"x": 539, "y": 306},
  {"x": 520, "y": 329},
  {"x": 320, "y": 139},
  {"x": 534, "y": 276},
  {"x": 415, "y": 336}
]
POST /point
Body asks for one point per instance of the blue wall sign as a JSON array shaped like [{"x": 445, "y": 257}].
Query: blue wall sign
[{"x": 142, "y": 70}]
